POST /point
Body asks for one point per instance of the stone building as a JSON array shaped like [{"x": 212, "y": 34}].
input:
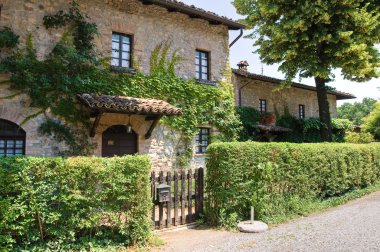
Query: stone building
[
  {"x": 129, "y": 30},
  {"x": 259, "y": 91}
]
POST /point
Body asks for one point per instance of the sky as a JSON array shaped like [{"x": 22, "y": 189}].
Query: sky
[{"x": 244, "y": 50}]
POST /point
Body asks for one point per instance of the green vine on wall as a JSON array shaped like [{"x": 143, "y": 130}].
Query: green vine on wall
[
  {"x": 73, "y": 67},
  {"x": 83, "y": 31},
  {"x": 8, "y": 39}
]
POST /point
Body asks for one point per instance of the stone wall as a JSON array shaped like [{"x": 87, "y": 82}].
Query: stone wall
[
  {"x": 149, "y": 25},
  {"x": 292, "y": 97}
]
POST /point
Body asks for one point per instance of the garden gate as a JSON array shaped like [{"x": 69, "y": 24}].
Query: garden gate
[{"x": 181, "y": 201}]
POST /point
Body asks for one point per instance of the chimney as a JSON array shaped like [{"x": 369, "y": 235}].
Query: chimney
[{"x": 243, "y": 65}]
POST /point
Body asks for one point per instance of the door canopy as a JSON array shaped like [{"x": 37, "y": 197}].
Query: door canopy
[{"x": 153, "y": 109}]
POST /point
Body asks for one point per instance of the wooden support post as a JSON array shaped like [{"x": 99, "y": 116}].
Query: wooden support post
[
  {"x": 190, "y": 196},
  {"x": 183, "y": 188},
  {"x": 201, "y": 189},
  {"x": 176, "y": 198},
  {"x": 196, "y": 180},
  {"x": 95, "y": 125},
  {"x": 154, "y": 124},
  {"x": 161, "y": 204},
  {"x": 153, "y": 195},
  {"x": 169, "y": 203}
]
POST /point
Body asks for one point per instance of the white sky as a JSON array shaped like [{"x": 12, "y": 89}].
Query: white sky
[{"x": 243, "y": 50}]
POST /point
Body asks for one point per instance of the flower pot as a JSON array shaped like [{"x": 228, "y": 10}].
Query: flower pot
[{"x": 268, "y": 119}]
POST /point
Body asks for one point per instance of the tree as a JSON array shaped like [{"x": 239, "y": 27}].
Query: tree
[
  {"x": 371, "y": 123},
  {"x": 357, "y": 111},
  {"x": 310, "y": 38}
]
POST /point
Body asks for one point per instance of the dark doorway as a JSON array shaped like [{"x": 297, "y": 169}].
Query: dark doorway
[{"x": 117, "y": 142}]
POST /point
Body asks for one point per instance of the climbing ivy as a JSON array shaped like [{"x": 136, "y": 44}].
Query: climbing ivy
[
  {"x": 83, "y": 31},
  {"x": 8, "y": 39},
  {"x": 73, "y": 67}
]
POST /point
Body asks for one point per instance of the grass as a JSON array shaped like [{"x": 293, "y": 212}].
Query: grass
[{"x": 307, "y": 207}]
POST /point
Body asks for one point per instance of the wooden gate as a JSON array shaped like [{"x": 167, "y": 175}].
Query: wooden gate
[{"x": 186, "y": 198}]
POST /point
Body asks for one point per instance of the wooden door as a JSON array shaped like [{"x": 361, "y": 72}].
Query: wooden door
[{"x": 117, "y": 142}]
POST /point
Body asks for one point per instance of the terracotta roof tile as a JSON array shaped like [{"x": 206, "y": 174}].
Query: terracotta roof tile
[{"x": 123, "y": 104}]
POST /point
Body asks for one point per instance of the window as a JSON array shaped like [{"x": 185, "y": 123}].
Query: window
[
  {"x": 263, "y": 106},
  {"x": 12, "y": 139},
  {"x": 121, "y": 50},
  {"x": 301, "y": 111},
  {"x": 202, "y": 65},
  {"x": 202, "y": 140}
]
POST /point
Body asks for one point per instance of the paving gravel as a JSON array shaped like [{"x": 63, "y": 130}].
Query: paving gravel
[{"x": 354, "y": 226}]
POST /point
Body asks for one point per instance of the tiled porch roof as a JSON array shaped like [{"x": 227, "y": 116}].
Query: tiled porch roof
[{"x": 128, "y": 105}]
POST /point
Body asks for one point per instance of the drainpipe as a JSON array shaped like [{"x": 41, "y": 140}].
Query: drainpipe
[
  {"x": 240, "y": 93},
  {"x": 240, "y": 35}
]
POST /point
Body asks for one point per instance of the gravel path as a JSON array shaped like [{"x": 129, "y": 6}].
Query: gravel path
[{"x": 351, "y": 227}]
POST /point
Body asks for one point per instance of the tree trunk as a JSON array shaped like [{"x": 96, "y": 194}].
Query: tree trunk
[{"x": 324, "y": 110}]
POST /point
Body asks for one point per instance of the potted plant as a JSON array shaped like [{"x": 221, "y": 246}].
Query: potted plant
[{"x": 268, "y": 119}]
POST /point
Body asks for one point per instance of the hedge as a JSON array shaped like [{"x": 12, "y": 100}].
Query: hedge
[
  {"x": 60, "y": 204},
  {"x": 280, "y": 178}
]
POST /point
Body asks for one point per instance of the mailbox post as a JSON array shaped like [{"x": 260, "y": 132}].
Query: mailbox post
[{"x": 163, "y": 193}]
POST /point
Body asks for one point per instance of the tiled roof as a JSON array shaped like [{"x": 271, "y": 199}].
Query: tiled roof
[
  {"x": 339, "y": 95},
  {"x": 195, "y": 12},
  {"x": 123, "y": 104}
]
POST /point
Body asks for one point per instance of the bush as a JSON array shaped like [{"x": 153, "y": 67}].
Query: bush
[
  {"x": 66, "y": 204},
  {"x": 282, "y": 179},
  {"x": 359, "y": 138},
  {"x": 371, "y": 123},
  {"x": 307, "y": 130},
  {"x": 249, "y": 117}
]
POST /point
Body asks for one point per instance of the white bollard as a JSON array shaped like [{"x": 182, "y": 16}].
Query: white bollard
[
  {"x": 252, "y": 226},
  {"x": 252, "y": 214}
]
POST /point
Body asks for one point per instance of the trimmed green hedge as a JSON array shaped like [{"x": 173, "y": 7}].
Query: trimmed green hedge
[
  {"x": 279, "y": 179},
  {"x": 63, "y": 204}
]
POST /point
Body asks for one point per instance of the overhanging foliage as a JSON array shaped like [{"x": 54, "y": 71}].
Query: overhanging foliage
[{"x": 312, "y": 38}]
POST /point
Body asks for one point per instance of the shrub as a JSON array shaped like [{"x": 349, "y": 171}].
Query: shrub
[
  {"x": 65, "y": 204},
  {"x": 371, "y": 123},
  {"x": 249, "y": 117},
  {"x": 359, "y": 138},
  {"x": 281, "y": 179},
  {"x": 308, "y": 130}
]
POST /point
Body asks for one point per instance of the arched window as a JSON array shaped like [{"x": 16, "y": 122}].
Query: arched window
[{"x": 12, "y": 139}]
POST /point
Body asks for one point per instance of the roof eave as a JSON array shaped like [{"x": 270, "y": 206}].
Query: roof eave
[
  {"x": 196, "y": 13},
  {"x": 344, "y": 97}
]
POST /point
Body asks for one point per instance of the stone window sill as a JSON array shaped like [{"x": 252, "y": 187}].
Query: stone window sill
[
  {"x": 206, "y": 82},
  {"x": 118, "y": 69},
  {"x": 200, "y": 154}
]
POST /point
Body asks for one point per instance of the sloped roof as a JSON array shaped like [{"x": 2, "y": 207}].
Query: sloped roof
[
  {"x": 339, "y": 95},
  {"x": 195, "y": 12},
  {"x": 128, "y": 105}
]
